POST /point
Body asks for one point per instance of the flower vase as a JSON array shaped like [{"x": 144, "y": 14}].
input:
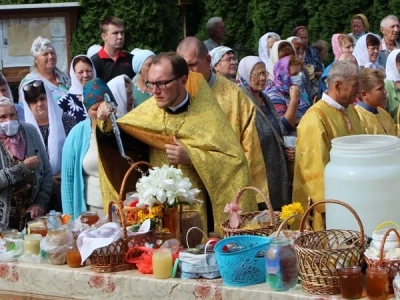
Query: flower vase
[{"x": 171, "y": 221}]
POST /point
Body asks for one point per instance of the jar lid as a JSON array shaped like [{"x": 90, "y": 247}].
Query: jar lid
[
  {"x": 57, "y": 230},
  {"x": 33, "y": 237},
  {"x": 378, "y": 235}
]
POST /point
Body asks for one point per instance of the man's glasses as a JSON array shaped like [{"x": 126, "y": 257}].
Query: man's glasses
[
  {"x": 231, "y": 60},
  {"x": 161, "y": 85},
  {"x": 35, "y": 84}
]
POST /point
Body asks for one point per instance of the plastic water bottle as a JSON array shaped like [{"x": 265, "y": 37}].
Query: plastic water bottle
[{"x": 53, "y": 221}]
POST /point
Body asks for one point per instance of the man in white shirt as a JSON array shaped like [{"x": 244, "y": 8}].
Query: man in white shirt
[
  {"x": 390, "y": 28},
  {"x": 216, "y": 32}
]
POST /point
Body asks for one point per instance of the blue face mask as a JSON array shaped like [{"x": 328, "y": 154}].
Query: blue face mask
[
  {"x": 297, "y": 79},
  {"x": 359, "y": 35}
]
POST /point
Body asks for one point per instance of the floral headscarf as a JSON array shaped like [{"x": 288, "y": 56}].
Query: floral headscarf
[
  {"x": 93, "y": 92},
  {"x": 263, "y": 51},
  {"x": 217, "y": 53},
  {"x": 337, "y": 50},
  {"x": 40, "y": 45},
  {"x": 246, "y": 65}
]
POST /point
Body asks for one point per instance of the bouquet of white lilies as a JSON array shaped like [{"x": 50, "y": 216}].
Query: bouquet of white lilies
[{"x": 165, "y": 186}]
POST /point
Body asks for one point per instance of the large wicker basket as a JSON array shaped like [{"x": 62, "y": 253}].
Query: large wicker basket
[
  {"x": 321, "y": 254},
  {"x": 131, "y": 213},
  {"x": 112, "y": 257},
  {"x": 263, "y": 231}
]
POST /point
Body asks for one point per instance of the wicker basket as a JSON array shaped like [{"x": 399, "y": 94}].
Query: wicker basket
[
  {"x": 291, "y": 234},
  {"x": 321, "y": 254},
  {"x": 392, "y": 265},
  {"x": 131, "y": 213},
  {"x": 263, "y": 231},
  {"x": 112, "y": 257}
]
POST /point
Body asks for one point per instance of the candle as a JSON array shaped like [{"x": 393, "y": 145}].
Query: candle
[
  {"x": 162, "y": 263},
  {"x": 32, "y": 243}
]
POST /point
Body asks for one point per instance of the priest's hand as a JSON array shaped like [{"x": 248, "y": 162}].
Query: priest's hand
[
  {"x": 177, "y": 154},
  {"x": 103, "y": 111}
]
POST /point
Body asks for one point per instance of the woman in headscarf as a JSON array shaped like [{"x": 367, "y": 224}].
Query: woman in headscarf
[
  {"x": 392, "y": 84},
  {"x": 6, "y": 92},
  {"x": 252, "y": 77},
  {"x": 286, "y": 95},
  {"x": 52, "y": 125},
  {"x": 367, "y": 51},
  {"x": 80, "y": 159},
  {"x": 81, "y": 71},
  {"x": 279, "y": 49},
  {"x": 141, "y": 64},
  {"x": 341, "y": 43},
  {"x": 45, "y": 69},
  {"x": 25, "y": 175},
  {"x": 359, "y": 27},
  {"x": 265, "y": 45},
  {"x": 223, "y": 62},
  {"x": 121, "y": 88}
]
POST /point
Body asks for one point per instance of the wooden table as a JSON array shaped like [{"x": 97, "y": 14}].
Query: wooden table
[{"x": 21, "y": 281}]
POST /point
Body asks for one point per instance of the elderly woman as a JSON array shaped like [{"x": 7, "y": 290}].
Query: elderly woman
[
  {"x": 80, "y": 160},
  {"x": 298, "y": 45},
  {"x": 81, "y": 71},
  {"x": 265, "y": 45},
  {"x": 359, "y": 27},
  {"x": 286, "y": 95},
  {"x": 121, "y": 88},
  {"x": 366, "y": 51},
  {"x": 45, "y": 69},
  {"x": 280, "y": 49},
  {"x": 25, "y": 175},
  {"x": 141, "y": 64},
  {"x": 311, "y": 59},
  {"x": 341, "y": 43},
  {"x": 223, "y": 62},
  {"x": 392, "y": 84},
  {"x": 252, "y": 78}
]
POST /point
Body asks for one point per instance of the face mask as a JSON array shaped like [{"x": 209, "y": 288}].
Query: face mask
[
  {"x": 359, "y": 35},
  {"x": 297, "y": 79},
  {"x": 10, "y": 128}
]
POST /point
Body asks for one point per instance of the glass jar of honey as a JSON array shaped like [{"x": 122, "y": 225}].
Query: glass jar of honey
[
  {"x": 351, "y": 282},
  {"x": 73, "y": 256},
  {"x": 89, "y": 217},
  {"x": 377, "y": 283}
]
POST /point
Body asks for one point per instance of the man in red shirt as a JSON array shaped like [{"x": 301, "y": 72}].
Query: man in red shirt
[{"x": 111, "y": 61}]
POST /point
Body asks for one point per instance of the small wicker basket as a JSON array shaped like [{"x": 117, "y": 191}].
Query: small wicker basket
[
  {"x": 112, "y": 257},
  {"x": 263, "y": 231},
  {"x": 321, "y": 254}
]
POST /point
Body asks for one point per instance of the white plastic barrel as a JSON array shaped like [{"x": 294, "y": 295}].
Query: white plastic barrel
[{"x": 364, "y": 172}]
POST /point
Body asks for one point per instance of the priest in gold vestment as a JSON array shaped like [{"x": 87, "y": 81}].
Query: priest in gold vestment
[
  {"x": 373, "y": 117},
  {"x": 331, "y": 117},
  {"x": 188, "y": 130},
  {"x": 241, "y": 113}
]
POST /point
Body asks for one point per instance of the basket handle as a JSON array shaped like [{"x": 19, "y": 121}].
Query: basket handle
[
  {"x": 284, "y": 222},
  {"x": 384, "y": 241},
  {"x": 119, "y": 206},
  {"x": 132, "y": 167},
  {"x": 266, "y": 200},
  {"x": 380, "y": 226},
  {"x": 187, "y": 234},
  {"x": 305, "y": 216}
]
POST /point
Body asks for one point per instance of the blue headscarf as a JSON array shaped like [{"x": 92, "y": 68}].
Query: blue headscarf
[
  {"x": 93, "y": 92},
  {"x": 139, "y": 58}
]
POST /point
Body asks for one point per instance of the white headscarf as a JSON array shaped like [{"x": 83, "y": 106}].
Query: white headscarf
[
  {"x": 77, "y": 87},
  {"x": 245, "y": 67},
  {"x": 117, "y": 87},
  {"x": 93, "y": 50},
  {"x": 273, "y": 59},
  {"x": 361, "y": 53},
  {"x": 56, "y": 128},
  {"x": 391, "y": 68},
  {"x": 263, "y": 51}
]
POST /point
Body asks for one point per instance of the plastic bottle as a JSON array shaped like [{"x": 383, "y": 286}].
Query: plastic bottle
[
  {"x": 53, "y": 221},
  {"x": 396, "y": 286}
]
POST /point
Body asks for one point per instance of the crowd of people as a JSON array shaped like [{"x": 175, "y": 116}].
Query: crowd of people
[{"x": 225, "y": 124}]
